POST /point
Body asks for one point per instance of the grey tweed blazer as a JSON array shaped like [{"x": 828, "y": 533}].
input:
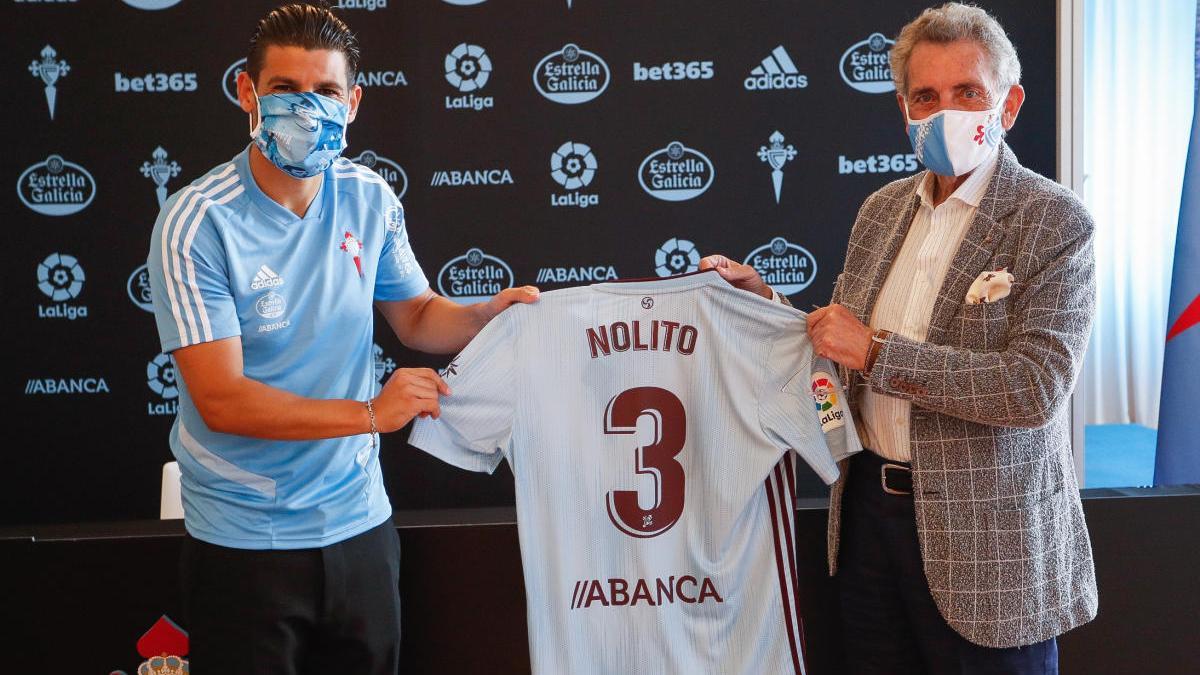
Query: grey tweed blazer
[{"x": 1000, "y": 524}]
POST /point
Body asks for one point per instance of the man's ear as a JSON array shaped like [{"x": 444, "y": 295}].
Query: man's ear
[
  {"x": 903, "y": 112},
  {"x": 352, "y": 101},
  {"x": 246, "y": 98},
  {"x": 1012, "y": 106}
]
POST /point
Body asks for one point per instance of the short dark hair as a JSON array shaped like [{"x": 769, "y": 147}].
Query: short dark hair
[{"x": 307, "y": 26}]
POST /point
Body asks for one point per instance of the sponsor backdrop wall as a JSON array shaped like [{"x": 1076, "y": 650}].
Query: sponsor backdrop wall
[{"x": 548, "y": 142}]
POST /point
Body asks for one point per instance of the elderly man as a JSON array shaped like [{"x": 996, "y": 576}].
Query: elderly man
[{"x": 960, "y": 320}]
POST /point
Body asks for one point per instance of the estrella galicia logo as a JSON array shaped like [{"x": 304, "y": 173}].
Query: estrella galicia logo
[
  {"x": 468, "y": 68},
  {"x": 384, "y": 364},
  {"x": 56, "y": 187},
  {"x": 571, "y": 75},
  {"x": 50, "y": 69},
  {"x": 61, "y": 278},
  {"x": 229, "y": 80},
  {"x": 152, "y": 4},
  {"x": 138, "y": 288},
  {"x": 787, "y": 267},
  {"x": 160, "y": 171},
  {"x": 573, "y": 166},
  {"x": 676, "y": 256},
  {"x": 387, "y": 169},
  {"x": 867, "y": 65},
  {"x": 474, "y": 277},
  {"x": 161, "y": 378},
  {"x": 676, "y": 173}
]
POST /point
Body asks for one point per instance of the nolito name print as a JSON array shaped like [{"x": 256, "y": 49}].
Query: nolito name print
[
  {"x": 622, "y": 336},
  {"x": 686, "y": 589}
]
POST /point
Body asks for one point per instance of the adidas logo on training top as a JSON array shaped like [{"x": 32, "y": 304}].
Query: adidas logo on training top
[
  {"x": 265, "y": 278},
  {"x": 777, "y": 71}
]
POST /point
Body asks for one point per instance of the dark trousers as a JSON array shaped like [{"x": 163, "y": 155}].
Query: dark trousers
[
  {"x": 890, "y": 624},
  {"x": 331, "y": 610}
]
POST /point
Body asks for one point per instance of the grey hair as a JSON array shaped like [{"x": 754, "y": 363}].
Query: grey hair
[{"x": 952, "y": 22}]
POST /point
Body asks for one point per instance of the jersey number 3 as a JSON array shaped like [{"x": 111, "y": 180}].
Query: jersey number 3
[{"x": 656, "y": 459}]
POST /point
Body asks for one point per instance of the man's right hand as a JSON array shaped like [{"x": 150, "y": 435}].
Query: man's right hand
[
  {"x": 409, "y": 392},
  {"x": 738, "y": 275}
]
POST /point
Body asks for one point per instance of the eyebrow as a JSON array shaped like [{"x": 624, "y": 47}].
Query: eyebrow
[
  {"x": 327, "y": 84},
  {"x": 969, "y": 84}
]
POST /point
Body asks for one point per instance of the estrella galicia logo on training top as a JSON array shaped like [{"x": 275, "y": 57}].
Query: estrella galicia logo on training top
[
  {"x": 386, "y": 168},
  {"x": 474, "y": 277},
  {"x": 229, "y": 80},
  {"x": 676, "y": 173},
  {"x": 50, "y": 69},
  {"x": 571, "y": 75},
  {"x": 56, "y": 187},
  {"x": 60, "y": 278},
  {"x": 160, "y": 377},
  {"x": 160, "y": 171},
  {"x": 573, "y": 166},
  {"x": 468, "y": 68},
  {"x": 867, "y": 65},
  {"x": 785, "y": 266},
  {"x": 152, "y": 4},
  {"x": 138, "y": 288},
  {"x": 676, "y": 256},
  {"x": 777, "y": 71}
]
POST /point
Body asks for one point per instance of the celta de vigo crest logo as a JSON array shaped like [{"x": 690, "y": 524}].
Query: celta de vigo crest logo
[
  {"x": 386, "y": 168},
  {"x": 676, "y": 256},
  {"x": 867, "y": 66},
  {"x": 571, "y": 75},
  {"x": 474, "y": 277},
  {"x": 160, "y": 171},
  {"x": 776, "y": 155},
  {"x": 384, "y": 364},
  {"x": 56, "y": 187},
  {"x": 50, "y": 68},
  {"x": 676, "y": 173},
  {"x": 152, "y": 4},
  {"x": 138, "y": 288},
  {"x": 229, "y": 80},
  {"x": 785, "y": 266}
]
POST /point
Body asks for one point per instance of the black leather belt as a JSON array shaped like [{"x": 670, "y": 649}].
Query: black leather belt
[{"x": 895, "y": 478}]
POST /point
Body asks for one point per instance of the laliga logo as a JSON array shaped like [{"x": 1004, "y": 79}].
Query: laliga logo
[
  {"x": 867, "y": 65},
  {"x": 676, "y": 173},
  {"x": 387, "y": 169},
  {"x": 160, "y": 172},
  {"x": 676, "y": 256},
  {"x": 573, "y": 166},
  {"x": 474, "y": 277},
  {"x": 152, "y": 4},
  {"x": 49, "y": 69},
  {"x": 138, "y": 287},
  {"x": 467, "y": 69},
  {"x": 825, "y": 398},
  {"x": 571, "y": 75},
  {"x": 229, "y": 80},
  {"x": 785, "y": 266},
  {"x": 160, "y": 377},
  {"x": 56, "y": 187},
  {"x": 61, "y": 278}
]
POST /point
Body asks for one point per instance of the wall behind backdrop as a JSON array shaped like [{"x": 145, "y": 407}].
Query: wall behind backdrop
[{"x": 548, "y": 142}]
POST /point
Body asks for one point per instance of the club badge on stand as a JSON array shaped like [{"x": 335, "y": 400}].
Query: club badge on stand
[
  {"x": 160, "y": 171},
  {"x": 776, "y": 156},
  {"x": 50, "y": 68}
]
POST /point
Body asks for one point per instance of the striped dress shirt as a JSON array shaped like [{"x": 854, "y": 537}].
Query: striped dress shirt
[{"x": 905, "y": 302}]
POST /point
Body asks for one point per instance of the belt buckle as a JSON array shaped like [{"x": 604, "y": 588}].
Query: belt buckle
[{"x": 883, "y": 478}]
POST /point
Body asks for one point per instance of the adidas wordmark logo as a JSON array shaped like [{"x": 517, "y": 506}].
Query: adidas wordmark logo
[
  {"x": 265, "y": 278},
  {"x": 777, "y": 71}
]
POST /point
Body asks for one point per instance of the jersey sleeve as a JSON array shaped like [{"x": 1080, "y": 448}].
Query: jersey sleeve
[
  {"x": 189, "y": 277},
  {"x": 476, "y": 422},
  {"x": 803, "y": 406},
  {"x": 400, "y": 276}
]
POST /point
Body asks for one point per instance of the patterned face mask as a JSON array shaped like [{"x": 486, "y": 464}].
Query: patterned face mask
[
  {"x": 955, "y": 142},
  {"x": 300, "y": 132}
]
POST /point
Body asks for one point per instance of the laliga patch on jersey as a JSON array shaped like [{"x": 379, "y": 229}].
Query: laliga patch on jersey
[{"x": 829, "y": 407}]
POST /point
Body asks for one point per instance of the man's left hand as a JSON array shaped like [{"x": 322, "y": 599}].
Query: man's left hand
[
  {"x": 839, "y": 336},
  {"x": 507, "y": 298}
]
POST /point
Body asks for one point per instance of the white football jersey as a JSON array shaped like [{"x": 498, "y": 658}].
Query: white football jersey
[{"x": 648, "y": 426}]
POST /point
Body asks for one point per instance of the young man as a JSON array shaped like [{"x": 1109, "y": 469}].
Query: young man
[{"x": 264, "y": 273}]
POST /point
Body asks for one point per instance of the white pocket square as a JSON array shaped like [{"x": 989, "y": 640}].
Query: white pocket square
[{"x": 990, "y": 287}]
